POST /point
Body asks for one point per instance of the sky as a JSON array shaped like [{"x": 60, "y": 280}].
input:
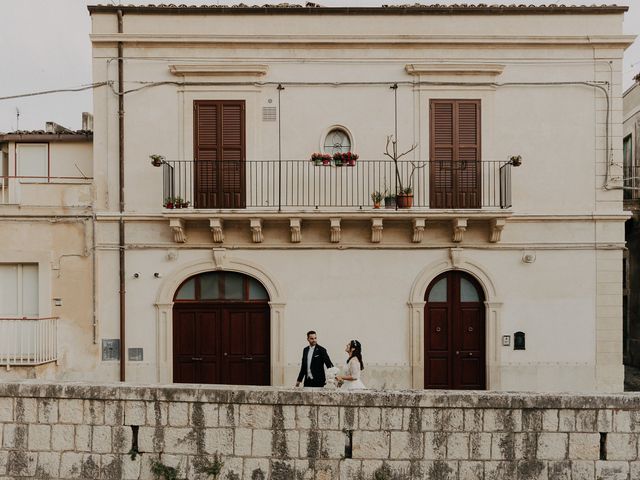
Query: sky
[{"x": 44, "y": 45}]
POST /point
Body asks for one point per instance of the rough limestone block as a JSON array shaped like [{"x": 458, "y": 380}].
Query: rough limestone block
[
  {"x": 634, "y": 469},
  {"x": 370, "y": 444},
  {"x": 369, "y": 467},
  {"x": 4, "y": 458},
  {"x": 435, "y": 445},
  {"x": 480, "y": 446},
  {"x": 369, "y": 418},
  {"x": 90, "y": 467},
  {"x": 550, "y": 420},
  {"x": 146, "y": 437},
  {"x": 122, "y": 439},
  {"x": 70, "y": 411},
  {"x": 473, "y": 419},
  {"x": 622, "y": 446},
  {"x": 93, "y": 412},
  {"x": 458, "y": 446},
  {"x": 111, "y": 467},
  {"x": 440, "y": 469},
  {"x": 449, "y": 420},
  {"x": 101, "y": 440},
  {"x": 350, "y": 469},
  {"x": 210, "y": 413},
  {"x": 288, "y": 417},
  {"x": 332, "y": 444},
  {"x": 146, "y": 461},
  {"x": 626, "y": 421},
  {"x": 567, "y": 420},
  {"x": 48, "y": 464},
  {"x": 15, "y": 436},
  {"x": 532, "y": 469},
  {"x": 256, "y": 416},
  {"x": 157, "y": 413},
  {"x": 26, "y": 410},
  {"x": 83, "y": 438},
  {"x": 179, "y": 462},
  {"x": 559, "y": 470},
  {"x": 348, "y": 418},
  {"x": 242, "y": 442},
  {"x": 468, "y": 470},
  {"x": 429, "y": 419},
  {"x": 6, "y": 410},
  {"x": 405, "y": 445},
  {"x": 70, "y": 465},
  {"x": 47, "y": 410},
  {"x": 39, "y": 438},
  {"x": 586, "y": 420},
  {"x": 500, "y": 470},
  {"x": 502, "y": 420},
  {"x": 532, "y": 419},
  {"x": 178, "y": 414},
  {"x": 584, "y": 446},
  {"x": 261, "y": 444},
  {"x": 229, "y": 415},
  {"x": 605, "y": 421},
  {"x": 306, "y": 417},
  {"x": 134, "y": 413},
  {"x": 232, "y": 468},
  {"x": 255, "y": 468},
  {"x": 607, "y": 470},
  {"x": 113, "y": 412},
  {"x": 553, "y": 446},
  {"x": 327, "y": 469},
  {"x": 504, "y": 446},
  {"x": 218, "y": 440},
  {"x": 292, "y": 438},
  {"x": 21, "y": 464},
  {"x": 392, "y": 418},
  {"x": 302, "y": 466},
  {"x": 131, "y": 468},
  {"x": 179, "y": 440},
  {"x": 328, "y": 418}
]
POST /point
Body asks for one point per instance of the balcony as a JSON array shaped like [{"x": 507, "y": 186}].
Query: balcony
[
  {"x": 258, "y": 191},
  {"x": 302, "y": 185},
  {"x": 631, "y": 197},
  {"x": 28, "y": 341},
  {"x": 68, "y": 191}
]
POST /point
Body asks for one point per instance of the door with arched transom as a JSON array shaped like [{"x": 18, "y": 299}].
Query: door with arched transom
[
  {"x": 221, "y": 330},
  {"x": 454, "y": 333}
]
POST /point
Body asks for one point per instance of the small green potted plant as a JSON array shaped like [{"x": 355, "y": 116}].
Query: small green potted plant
[
  {"x": 376, "y": 197},
  {"x": 389, "y": 200},
  {"x": 405, "y": 198},
  {"x": 177, "y": 202},
  {"x": 156, "y": 160}
]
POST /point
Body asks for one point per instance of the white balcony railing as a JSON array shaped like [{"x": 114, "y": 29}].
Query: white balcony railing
[
  {"x": 45, "y": 191},
  {"x": 28, "y": 341}
]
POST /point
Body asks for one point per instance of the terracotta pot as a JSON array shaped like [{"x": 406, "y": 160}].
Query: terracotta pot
[
  {"x": 326, "y": 162},
  {"x": 169, "y": 205},
  {"x": 351, "y": 163},
  {"x": 404, "y": 200},
  {"x": 376, "y": 205}
]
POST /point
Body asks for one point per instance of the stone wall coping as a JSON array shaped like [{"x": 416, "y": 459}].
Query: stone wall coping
[{"x": 297, "y": 396}]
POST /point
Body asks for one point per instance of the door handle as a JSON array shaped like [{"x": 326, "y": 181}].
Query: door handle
[
  {"x": 196, "y": 359},
  {"x": 225, "y": 354},
  {"x": 457, "y": 352},
  {"x": 247, "y": 358}
]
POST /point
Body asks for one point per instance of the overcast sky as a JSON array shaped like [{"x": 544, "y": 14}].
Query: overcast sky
[{"x": 44, "y": 45}]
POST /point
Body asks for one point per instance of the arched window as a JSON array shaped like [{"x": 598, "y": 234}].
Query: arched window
[
  {"x": 337, "y": 141},
  {"x": 221, "y": 286}
]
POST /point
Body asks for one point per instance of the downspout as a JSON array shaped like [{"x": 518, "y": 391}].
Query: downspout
[{"x": 121, "y": 200}]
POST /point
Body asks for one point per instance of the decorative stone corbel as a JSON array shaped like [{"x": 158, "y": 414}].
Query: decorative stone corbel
[
  {"x": 219, "y": 258},
  {"x": 335, "y": 230},
  {"x": 497, "y": 225},
  {"x": 216, "y": 229},
  {"x": 295, "y": 224},
  {"x": 456, "y": 256},
  {"x": 459, "y": 226},
  {"x": 256, "y": 230},
  {"x": 177, "y": 226},
  {"x": 376, "y": 230},
  {"x": 418, "y": 229}
]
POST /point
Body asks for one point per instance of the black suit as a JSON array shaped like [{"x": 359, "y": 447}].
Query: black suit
[{"x": 318, "y": 362}]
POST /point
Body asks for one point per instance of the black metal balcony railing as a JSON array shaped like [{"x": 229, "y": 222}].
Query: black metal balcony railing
[
  {"x": 301, "y": 183},
  {"x": 631, "y": 175}
]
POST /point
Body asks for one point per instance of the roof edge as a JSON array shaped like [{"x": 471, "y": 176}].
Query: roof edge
[
  {"x": 38, "y": 136},
  {"x": 291, "y": 9}
]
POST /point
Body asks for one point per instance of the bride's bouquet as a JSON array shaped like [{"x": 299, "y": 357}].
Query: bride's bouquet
[{"x": 332, "y": 372}]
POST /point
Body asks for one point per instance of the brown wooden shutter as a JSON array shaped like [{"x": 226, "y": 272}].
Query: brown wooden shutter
[
  {"x": 455, "y": 154},
  {"x": 219, "y": 147}
]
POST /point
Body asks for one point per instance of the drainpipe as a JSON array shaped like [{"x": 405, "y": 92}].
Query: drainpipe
[{"x": 121, "y": 199}]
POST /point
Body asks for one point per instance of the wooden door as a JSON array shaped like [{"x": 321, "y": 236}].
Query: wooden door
[
  {"x": 226, "y": 344},
  {"x": 454, "y": 331},
  {"x": 219, "y": 153},
  {"x": 454, "y": 168}
]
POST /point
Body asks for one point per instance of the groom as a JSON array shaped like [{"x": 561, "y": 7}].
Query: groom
[{"x": 314, "y": 359}]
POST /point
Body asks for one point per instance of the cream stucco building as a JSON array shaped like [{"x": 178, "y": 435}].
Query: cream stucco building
[{"x": 505, "y": 273}]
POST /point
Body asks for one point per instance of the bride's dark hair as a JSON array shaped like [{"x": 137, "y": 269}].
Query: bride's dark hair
[{"x": 357, "y": 352}]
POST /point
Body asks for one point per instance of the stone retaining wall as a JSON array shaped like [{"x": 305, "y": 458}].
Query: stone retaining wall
[{"x": 61, "y": 431}]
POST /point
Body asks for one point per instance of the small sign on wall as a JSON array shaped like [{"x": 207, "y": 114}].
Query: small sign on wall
[
  {"x": 136, "y": 354},
  {"x": 110, "y": 349}
]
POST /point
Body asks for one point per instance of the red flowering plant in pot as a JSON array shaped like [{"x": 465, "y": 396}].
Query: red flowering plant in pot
[
  {"x": 346, "y": 158},
  {"x": 321, "y": 158}
]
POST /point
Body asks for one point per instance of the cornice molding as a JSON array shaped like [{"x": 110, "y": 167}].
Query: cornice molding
[
  {"x": 484, "y": 69},
  {"x": 219, "y": 70}
]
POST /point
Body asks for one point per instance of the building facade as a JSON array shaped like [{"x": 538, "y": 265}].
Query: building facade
[{"x": 219, "y": 243}]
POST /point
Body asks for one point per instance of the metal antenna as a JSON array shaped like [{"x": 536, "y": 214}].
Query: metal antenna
[{"x": 17, "y": 118}]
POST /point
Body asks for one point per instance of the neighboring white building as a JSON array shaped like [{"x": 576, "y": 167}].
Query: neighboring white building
[
  {"x": 490, "y": 255},
  {"x": 47, "y": 326}
]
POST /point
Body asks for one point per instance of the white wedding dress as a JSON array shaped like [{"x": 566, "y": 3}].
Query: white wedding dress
[{"x": 353, "y": 371}]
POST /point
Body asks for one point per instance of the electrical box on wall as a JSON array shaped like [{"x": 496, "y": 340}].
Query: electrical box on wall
[
  {"x": 110, "y": 349},
  {"x": 506, "y": 340},
  {"x": 136, "y": 354}
]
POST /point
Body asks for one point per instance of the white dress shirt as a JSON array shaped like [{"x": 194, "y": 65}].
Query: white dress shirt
[{"x": 309, "y": 357}]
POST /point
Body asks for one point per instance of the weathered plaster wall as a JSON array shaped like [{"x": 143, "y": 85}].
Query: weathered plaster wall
[{"x": 61, "y": 431}]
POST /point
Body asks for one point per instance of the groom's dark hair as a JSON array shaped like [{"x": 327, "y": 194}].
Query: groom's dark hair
[{"x": 311, "y": 332}]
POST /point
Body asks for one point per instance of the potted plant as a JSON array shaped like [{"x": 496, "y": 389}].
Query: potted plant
[
  {"x": 389, "y": 200},
  {"x": 178, "y": 202},
  {"x": 405, "y": 198},
  {"x": 321, "y": 158},
  {"x": 347, "y": 158},
  {"x": 169, "y": 202},
  {"x": 377, "y": 197},
  {"x": 156, "y": 160}
]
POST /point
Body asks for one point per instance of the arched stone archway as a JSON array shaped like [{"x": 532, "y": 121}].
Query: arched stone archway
[
  {"x": 455, "y": 260},
  {"x": 221, "y": 261}
]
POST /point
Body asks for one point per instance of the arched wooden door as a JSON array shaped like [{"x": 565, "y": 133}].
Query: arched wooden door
[
  {"x": 454, "y": 333},
  {"x": 221, "y": 330}
]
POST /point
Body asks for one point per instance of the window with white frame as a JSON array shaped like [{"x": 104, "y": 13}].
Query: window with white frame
[
  {"x": 19, "y": 290},
  {"x": 32, "y": 162},
  {"x": 337, "y": 141}
]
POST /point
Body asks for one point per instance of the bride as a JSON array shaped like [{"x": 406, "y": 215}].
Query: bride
[{"x": 351, "y": 379}]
